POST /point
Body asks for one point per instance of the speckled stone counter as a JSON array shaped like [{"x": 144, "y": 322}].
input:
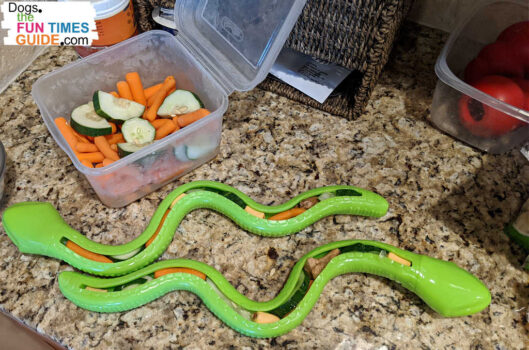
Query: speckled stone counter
[{"x": 446, "y": 200}]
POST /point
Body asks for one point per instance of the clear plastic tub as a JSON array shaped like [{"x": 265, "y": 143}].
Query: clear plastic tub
[
  {"x": 219, "y": 49},
  {"x": 482, "y": 27},
  {"x": 154, "y": 55}
]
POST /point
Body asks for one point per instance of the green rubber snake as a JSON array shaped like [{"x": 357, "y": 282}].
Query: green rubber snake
[
  {"x": 446, "y": 288},
  {"x": 37, "y": 228}
]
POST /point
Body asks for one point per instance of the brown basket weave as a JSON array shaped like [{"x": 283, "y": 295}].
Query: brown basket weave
[{"x": 356, "y": 34}]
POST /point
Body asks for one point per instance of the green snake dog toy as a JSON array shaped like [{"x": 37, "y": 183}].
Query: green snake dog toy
[
  {"x": 37, "y": 228},
  {"x": 446, "y": 288}
]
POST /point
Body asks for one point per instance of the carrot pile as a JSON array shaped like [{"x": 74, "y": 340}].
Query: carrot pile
[
  {"x": 93, "y": 152},
  {"x": 100, "y": 151}
]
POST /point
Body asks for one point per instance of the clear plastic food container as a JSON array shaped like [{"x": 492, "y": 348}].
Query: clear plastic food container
[
  {"x": 220, "y": 48},
  {"x": 482, "y": 27}
]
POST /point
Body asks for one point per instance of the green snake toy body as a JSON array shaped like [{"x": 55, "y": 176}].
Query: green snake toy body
[
  {"x": 37, "y": 228},
  {"x": 446, "y": 288}
]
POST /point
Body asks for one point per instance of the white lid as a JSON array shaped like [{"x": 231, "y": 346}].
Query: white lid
[{"x": 237, "y": 41}]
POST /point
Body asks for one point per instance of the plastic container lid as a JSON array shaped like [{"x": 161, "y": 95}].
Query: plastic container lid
[
  {"x": 160, "y": 16},
  {"x": 237, "y": 41}
]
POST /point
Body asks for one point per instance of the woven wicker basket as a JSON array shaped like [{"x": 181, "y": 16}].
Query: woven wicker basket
[{"x": 356, "y": 34}]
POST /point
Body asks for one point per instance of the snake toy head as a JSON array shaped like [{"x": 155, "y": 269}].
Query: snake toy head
[
  {"x": 449, "y": 289},
  {"x": 34, "y": 227}
]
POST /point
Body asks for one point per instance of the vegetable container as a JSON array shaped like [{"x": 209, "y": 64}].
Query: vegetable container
[
  {"x": 221, "y": 47},
  {"x": 482, "y": 27}
]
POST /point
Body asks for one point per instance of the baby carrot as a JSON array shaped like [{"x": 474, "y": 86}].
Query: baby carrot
[
  {"x": 165, "y": 129},
  {"x": 86, "y": 147},
  {"x": 157, "y": 229},
  {"x": 151, "y": 90},
  {"x": 175, "y": 121},
  {"x": 114, "y": 147},
  {"x": 114, "y": 127},
  {"x": 80, "y": 137},
  {"x": 87, "y": 163},
  {"x": 104, "y": 147},
  {"x": 398, "y": 259},
  {"x": 256, "y": 213},
  {"x": 124, "y": 90},
  {"x": 168, "y": 84},
  {"x": 94, "y": 157},
  {"x": 113, "y": 93},
  {"x": 136, "y": 87},
  {"x": 157, "y": 123},
  {"x": 186, "y": 119},
  {"x": 171, "y": 89},
  {"x": 99, "y": 165},
  {"x": 150, "y": 100},
  {"x": 86, "y": 253},
  {"x": 287, "y": 214},
  {"x": 107, "y": 161},
  {"x": 67, "y": 132},
  {"x": 170, "y": 270},
  {"x": 115, "y": 138}
]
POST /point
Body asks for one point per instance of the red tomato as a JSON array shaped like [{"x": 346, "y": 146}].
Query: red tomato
[
  {"x": 524, "y": 85},
  {"x": 514, "y": 31},
  {"x": 518, "y": 35},
  {"x": 503, "y": 58},
  {"x": 477, "y": 68},
  {"x": 485, "y": 121}
]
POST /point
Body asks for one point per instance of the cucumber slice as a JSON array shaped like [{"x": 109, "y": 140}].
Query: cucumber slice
[
  {"x": 128, "y": 255},
  {"x": 235, "y": 199},
  {"x": 326, "y": 195},
  {"x": 138, "y": 131},
  {"x": 86, "y": 122},
  {"x": 124, "y": 149},
  {"x": 347, "y": 192},
  {"x": 198, "y": 151},
  {"x": 180, "y": 102},
  {"x": 359, "y": 247},
  {"x": 180, "y": 153},
  {"x": 301, "y": 289},
  {"x": 116, "y": 109}
]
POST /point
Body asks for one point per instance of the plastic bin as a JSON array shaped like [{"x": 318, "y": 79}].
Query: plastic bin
[
  {"x": 219, "y": 49},
  {"x": 482, "y": 27}
]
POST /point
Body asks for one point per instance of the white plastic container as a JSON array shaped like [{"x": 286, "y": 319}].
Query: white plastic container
[
  {"x": 482, "y": 27},
  {"x": 219, "y": 49}
]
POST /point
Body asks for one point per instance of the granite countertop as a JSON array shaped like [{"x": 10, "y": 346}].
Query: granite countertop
[{"x": 446, "y": 200}]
